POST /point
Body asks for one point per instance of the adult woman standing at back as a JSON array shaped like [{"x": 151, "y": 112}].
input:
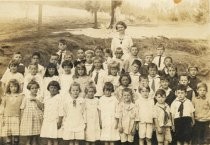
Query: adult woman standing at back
[{"x": 122, "y": 39}]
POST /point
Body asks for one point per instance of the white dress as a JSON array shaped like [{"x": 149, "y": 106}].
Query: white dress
[
  {"x": 46, "y": 81},
  {"x": 108, "y": 108},
  {"x": 93, "y": 128},
  {"x": 51, "y": 114},
  {"x": 74, "y": 118},
  {"x": 65, "y": 81}
]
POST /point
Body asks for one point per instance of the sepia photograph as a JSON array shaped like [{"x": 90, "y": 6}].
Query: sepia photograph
[{"x": 104, "y": 72}]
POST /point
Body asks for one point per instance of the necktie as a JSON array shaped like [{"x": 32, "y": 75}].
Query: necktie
[
  {"x": 159, "y": 61},
  {"x": 60, "y": 57},
  {"x": 166, "y": 116},
  {"x": 180, "y": 109},
  {"x": 96, "y": 78},
  {"x": 153, "y": 85}
]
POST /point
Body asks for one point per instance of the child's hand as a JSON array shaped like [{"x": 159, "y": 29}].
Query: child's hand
[
  {"x": 133, "y": 131},
  {"x": 159, "y": 130},
  {"x": 120, "y": 130}
]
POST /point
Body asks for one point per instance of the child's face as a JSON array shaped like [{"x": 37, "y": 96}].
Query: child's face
[
  {"x": 90, "y": 93},
  {"x": 180, "y": 94},
  {"x": 152, "y": 72},
  {"x": 89, "y": 58},
  {"x": 144, "y": 82},
  {"x": 81, "y": 71},
  {"x": 160, "y": 51},
  {"x": 107, "y": 93},
  {"x": 53, "y": 90},
  {"x": 107, "y": 55},
  {"x": 13, "y": 68},
  {"x": 183, "y": 80},
  {"x": 33, "y": 69},
  {"x": 75, "y": 91},
  {"x": 61, "y": 46},
  {"x": 144, "y": 93},
  {"x": 35, "y": 59},
  {"x": 160, "y": 99},
  {"x": 127, "y": 97},
  {"x": 51, "y": 71},
  {"x": 68, "y": 57},
  {"x": 54, "y": 59},
  {"x": 171, "y": 71},
  {"x": 97, "y": 63},
  {"x": 167, "y": 62},
  {"x": 13, "y": 88},
  {"x": 164, "y": 84},
  {"x": 124, "y": 81},
  {"x": 67, "y": 69},
  {"x": 99, "y": 53},
  {"x": 134, "y": 68},
  {"x": 34, "y": 89},
  {"x": 80, "y": 54},
  {"x": 202, "y": 91},
  {"x": 118, "y": 54},
  {"x": 193, "y": 72},
  {"x": 148, "y": 59},
  {"x": 17, "y": 57},
  {"x": 134, "y": 51},
  {"x": 113, "y": 71}
]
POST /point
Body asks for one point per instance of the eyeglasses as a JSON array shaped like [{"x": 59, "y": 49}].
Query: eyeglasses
[{"x": 74, "y": 103}]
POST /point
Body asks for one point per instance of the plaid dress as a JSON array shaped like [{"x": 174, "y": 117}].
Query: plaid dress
[{"x": 31, "y": 120}]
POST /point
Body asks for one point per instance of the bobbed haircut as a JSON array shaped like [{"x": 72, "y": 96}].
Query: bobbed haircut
[
  {"x": 32, "y": 82},
  {"x": 121, "y": 23},
  {"x": 160, "y": 92},
  {"x": 15, "y": 83},
  {"x": 54, "y": 83},
  {"x": 108, "y": 86}
]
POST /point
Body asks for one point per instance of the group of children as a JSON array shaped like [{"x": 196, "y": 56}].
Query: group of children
[{"x": 99, "y": 95}]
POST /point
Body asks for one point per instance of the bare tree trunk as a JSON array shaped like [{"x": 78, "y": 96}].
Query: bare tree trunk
[
  {"x": 40, "y": 18},
  {"x": 95, "y": 20},
  {"x": 112, "y": 15}
]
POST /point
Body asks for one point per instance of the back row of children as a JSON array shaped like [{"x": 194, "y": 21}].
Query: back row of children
[{"x": 81, "y": 96}]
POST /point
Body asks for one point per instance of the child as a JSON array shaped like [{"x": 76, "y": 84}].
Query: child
[
  {"x": 173, "y": 77},
  {"x": 193, "y": 79},
  {"x": 159, "y": 59},
  {"x": 89, "y": 60},
  {"x": 108, "y": 121},
  {"x": 31, "y": 118},
  {"x": 52, "y": 105},
  {"x": 35, "y": 59},
  {"x": 167, "y": 62},
  {"x": 12, "y": 74},
  {"x": 66, "y": 78},
  {"x": 92, "y": 132},
  {"x": 118, "y": 57},
  {"x": 145, "y": 106},
  {"x": 54, "y": 58},
  {"x": 81, "y": 77},
  {"x": 74, "y": 116},
  {"x": 51, "y": 74},
  {"x": 144, "y": 82},
  {"x": 99, "y": 51},
  {"x": 98, "y": 75},
  {"x": 182, "y": 116},
  {"x": 170, "y": 95},
  {"x": 62, "y": 46},
  {"x": 113, "y": 77},
  {"x": 127, "y": 116},
  {"x": 154, "y": 78},
  {"x": 162, "y": 118},
  {"x": 148, "y": 57},
  {"x": 125, "y": 82},
  {"x": 81, "y": 55},
  {"x": 108, "y": 58},
  {"x": 184, "y": 80},
  {"x": 11, "y": 118},
  {"x": 32, "y": 75},
  {"x": 202, "y": 114},
  {"x": 68, "y": 57},
  {"x": 133, "y": 56},
  {"x": 134, "y": 73}
]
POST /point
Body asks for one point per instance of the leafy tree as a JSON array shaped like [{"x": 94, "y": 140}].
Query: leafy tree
[{"x": 93, "y": 6}]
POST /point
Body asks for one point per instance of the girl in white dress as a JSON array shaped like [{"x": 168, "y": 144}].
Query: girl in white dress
[
  {"x": 108, "y": 111},
  {"x": 74, "y": 116},
  {"x": 92, "y": 132},
  {"x": 52, "y": 104}
]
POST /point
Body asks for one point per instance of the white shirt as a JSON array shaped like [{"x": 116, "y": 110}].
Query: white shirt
[{"x": 156, "y": 61}]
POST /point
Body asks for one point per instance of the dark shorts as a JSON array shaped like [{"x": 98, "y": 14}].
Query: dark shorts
[{"x": 183, "y": 129}]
